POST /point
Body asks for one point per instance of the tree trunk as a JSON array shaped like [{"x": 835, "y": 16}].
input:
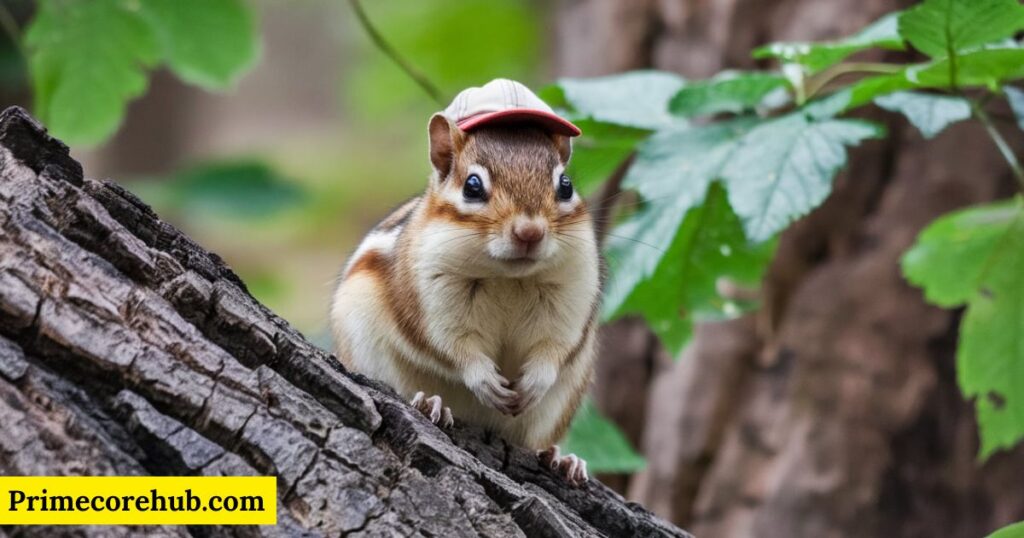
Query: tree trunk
[
  {"x": 834, "y": 410},
  {"x": 127, "y": 349}
]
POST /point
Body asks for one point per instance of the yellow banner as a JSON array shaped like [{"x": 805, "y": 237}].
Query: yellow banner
[{"x": 138, "y": 500}]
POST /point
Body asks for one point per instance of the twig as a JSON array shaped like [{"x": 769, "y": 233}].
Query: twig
[
  {"x": 997, "y": 137},
  {"x": 390, "y": 52}
]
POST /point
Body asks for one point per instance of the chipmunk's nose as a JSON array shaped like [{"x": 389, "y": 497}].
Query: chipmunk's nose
[{"x": 528, "y": 233}]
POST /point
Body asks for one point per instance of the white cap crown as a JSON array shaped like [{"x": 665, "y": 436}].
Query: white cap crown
[{"x": 505, "y": 101}]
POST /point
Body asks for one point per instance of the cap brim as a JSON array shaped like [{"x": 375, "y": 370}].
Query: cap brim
[{"x": 547, "y": 120}]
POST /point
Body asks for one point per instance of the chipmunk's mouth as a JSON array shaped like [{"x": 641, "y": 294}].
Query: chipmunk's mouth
[
  {"x": 518, "y": 266},
  {"x": 518, "y": 260}
]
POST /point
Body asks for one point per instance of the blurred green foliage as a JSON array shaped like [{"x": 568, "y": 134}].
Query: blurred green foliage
[
  {"x": 13, "y": 73},
  {"x": 458, "y": 44},
  {"x": 267, "y": 284},
  {"x": 598, "y": 441},
  {"x": 89, "y": 58},
  {"x": 12, "y": 69},
  {"x": 1011, "y": 531},
  {"x": 240, "y": 189}
]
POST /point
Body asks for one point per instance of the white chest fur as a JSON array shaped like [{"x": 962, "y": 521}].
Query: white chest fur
[{"x": 508, "y": 317}]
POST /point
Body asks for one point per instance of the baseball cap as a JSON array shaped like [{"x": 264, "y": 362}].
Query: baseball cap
[{"x": 505, "y": 101}]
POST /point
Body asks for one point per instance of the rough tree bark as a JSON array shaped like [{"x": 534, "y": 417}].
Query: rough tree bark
[
  {"x": 127, "y": 349},
  {"x": 833, "y": 411}
]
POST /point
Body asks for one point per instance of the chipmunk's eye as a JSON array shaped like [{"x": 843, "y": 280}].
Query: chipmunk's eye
[
  {"x": 564, "y": 191},
  {"x": 473, "y": 190}
]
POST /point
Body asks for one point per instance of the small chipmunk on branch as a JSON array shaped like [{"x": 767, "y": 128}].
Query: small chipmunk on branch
[{"x": 483, "y": 293}]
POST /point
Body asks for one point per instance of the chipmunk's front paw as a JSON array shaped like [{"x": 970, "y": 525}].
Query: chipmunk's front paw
[
  {"x": 571, "y": 467},
  {"x": 432, "y": 408},
  {"x": 491, "y": 388},
  {"x": 537, "y": 379}
]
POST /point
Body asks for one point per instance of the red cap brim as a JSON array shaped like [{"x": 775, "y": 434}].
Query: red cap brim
[{"x": 551, "y": 122}]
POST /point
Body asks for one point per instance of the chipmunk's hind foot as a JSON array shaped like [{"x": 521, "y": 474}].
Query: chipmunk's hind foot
[
  {"x": 570, "y": 466},
  {"x": 433, "y": 408}
]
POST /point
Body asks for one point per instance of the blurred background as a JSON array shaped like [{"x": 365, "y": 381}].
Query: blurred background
[
  {"x": 284, "y": 173},
  {"x": 832, "y": 411}
]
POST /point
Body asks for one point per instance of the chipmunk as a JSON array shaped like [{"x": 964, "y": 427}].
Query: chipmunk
[{"x": 479, "y": 298}]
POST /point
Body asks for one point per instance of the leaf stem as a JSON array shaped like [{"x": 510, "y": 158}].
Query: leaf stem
[
  {"x": 385, "y": 47},
  {"x": 816, "y": 82},
  {"x": 997, "y": 137}
]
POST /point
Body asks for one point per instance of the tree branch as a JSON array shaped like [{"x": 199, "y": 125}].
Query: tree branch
[{"x": 115, "y": 322}]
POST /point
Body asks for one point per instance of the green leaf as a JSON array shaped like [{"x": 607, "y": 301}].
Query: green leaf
[
  {"x": 784, "y": 168},
  {"x": 866, "y": 90},
  {"x": 978, "y": 59},
  {"x": 985, "y": 67},
  {"x": 599, "y": 151},
  {"x": 814, "y": 57},
  {"x": 728, "y": 92},
  {"x": 1015, "y": 97},
  {"x": 988, "y": 67},
  {"x": 967, "y": 238},
  {"x": 245, "y": 189},
  {"x": 941, "y": 28},
  {"x": 599, "y": 442},
  {"x": 708, "y": 246},
  {"x": 828, "y": 106},
  {"x": 672, "y": 172},
  {"x": 210, "y": 43},
  {"x": 666, "y": 260},
  {"x": 974, "y": 256},
  {"x": 929, "y": 113},
  {"x": 636, "y": 99},
  {"x": 1015, "y": 530},
  {"x": 87, "y": 59}
]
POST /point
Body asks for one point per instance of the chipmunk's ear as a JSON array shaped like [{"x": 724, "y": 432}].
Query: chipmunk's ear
[
  {"x": 446, "y": 139},
  {"x": 564, "y": 145}
]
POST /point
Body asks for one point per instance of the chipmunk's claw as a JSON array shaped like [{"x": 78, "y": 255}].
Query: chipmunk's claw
[
  {"x": 432, "y": 408},
  {"x": 571, "y": 467}
]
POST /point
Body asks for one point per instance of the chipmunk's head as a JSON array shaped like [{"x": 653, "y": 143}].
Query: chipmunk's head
[{"x": 500, "y": 202}]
